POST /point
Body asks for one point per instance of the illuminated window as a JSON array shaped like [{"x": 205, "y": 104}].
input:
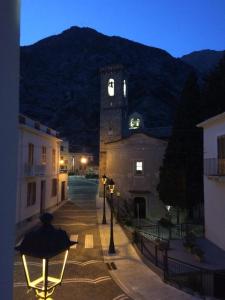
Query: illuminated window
[
  {"x": 111, "y": 91},
  {"x": 134, "y": 123},
  {"x": 139, "y": 168},
  {"x": 31, "y": 193},
  {"x": 43, "y": 155},
  {"x": 124, "y": 88}
]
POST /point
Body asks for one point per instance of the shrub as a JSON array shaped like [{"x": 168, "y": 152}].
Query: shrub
[
  {"x": 165, "y": 223},
  {"x": 198, "y": 252}
]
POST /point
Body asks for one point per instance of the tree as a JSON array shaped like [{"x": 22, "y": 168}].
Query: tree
[
  {"x": 181, "y": 174},
  {"x": 214, "y": 91}
]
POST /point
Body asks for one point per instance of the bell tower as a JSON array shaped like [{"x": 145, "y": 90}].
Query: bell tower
[{"x": 113, "y": 111}]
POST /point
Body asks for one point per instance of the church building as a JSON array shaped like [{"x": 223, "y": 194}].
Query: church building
[{"x": 129, "y": 153}]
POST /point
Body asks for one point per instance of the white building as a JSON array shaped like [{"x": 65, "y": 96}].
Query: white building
[
  {"x": 79, "y": 163},
  {"x": 41, "y": 185},
  {"x": 214, "y": 178}
]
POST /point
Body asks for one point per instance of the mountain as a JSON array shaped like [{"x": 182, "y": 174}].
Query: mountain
[
  {"x": 60, "y": 82},
  {"x": 203, "y": 61}
]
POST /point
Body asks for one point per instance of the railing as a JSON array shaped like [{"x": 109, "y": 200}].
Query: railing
[
  {"x": 214, "y": 167},
  {"x": 178, "y": 231},
  {"x": 63, "y": 170},
  {"x": 150, "y": 249},
  {"x": 188, "y": 276},
  {"x": 34, "y": 170},
  {"x": 183, "y": 275}
]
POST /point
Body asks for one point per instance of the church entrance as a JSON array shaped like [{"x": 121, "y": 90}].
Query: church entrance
[{"x": 139, "y": 207}]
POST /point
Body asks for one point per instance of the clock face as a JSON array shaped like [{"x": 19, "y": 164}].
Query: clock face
[{"x": 135, "y": 123}]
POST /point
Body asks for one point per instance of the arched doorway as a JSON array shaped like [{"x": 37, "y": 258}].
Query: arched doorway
[{"x": 139, "y": 207}]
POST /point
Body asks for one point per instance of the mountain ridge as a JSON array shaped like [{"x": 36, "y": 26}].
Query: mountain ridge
[{"x": 60, "y": 82}]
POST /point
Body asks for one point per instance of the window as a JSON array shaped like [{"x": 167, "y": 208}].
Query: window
[
  {"x": 54, "y": 187},
  {"x": 139, "y": 168},
  {"x": 43, "y": 155},
  {"x": 111, "y": 87},
  {"x": 124, "y": 88},
  {"x": 221, "y": 154},
  {"x": 53, "y": 159},
  {"x": 221, "y": 147},
  {"x": 30, "y": 154},
  {"x": 31, "y": 193},
  {"x": 61, "y": 148}
]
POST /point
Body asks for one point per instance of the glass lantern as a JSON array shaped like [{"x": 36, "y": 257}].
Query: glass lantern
[{"x": 44, "y": 253}]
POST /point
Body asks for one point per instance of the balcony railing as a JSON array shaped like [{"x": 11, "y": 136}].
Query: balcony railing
[
  {"x": 63, "y": 170},
  {"x": 214, "y": 167},
  {"x": 34, "y": 170}
]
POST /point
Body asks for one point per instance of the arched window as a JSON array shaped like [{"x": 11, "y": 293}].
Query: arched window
[
  {"x": 124, "y": 88},
  {"x": 111, "y": 87}
]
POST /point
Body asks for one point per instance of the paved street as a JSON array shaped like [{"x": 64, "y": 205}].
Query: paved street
[{"x": 86, "y": 275}]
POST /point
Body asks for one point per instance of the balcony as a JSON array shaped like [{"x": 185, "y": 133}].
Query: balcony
[
  {"x": 214, "y": 167},
  {"x": 34, "y": 170},
  {"x": 63, "y": 170}
]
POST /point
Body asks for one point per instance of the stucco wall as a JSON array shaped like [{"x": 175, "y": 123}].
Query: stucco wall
[
  {"x": 214, "y": 188},
  {"x": 121, "y": 158},
  {"x": 38, "y": 139}
]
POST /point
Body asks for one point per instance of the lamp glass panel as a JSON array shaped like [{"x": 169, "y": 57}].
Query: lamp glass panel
[{"x": 35, "y": 271}]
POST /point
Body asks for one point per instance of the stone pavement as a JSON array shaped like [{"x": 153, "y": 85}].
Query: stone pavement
[
  {"x": 131, "y": 274},
  {"x": 86, "y": 274}
]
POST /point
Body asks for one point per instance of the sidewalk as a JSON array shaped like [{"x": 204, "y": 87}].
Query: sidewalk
[{"x": 132, "y": 275}]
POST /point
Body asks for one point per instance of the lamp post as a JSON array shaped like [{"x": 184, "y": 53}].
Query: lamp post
[
  {"x": 40, "y": 246},
  {"x": 111, "y": 186},
  {"x": 104, "y": 180},
  {"x": 84, "y": 162},
  {"x": 61, "y": 164},
  {"x": 118, "y": 206}
]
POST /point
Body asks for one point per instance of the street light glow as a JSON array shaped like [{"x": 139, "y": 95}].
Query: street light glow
[{"x": 83, "y": 160}]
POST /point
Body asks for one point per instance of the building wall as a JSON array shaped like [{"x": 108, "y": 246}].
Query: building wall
[
  {"x": 214, "y": 188},
  {"x": 38, "y": 172},
  {"x": 9, "y": 97},
  {"x": 113, "y": 111},
  {"x": 121, "y": 158}
]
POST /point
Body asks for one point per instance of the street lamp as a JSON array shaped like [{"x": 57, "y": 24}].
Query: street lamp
[
  {"x": 38, "y": 248},
  {"x": 84, "y": 162},
  {"x": 111, "y": 186},
  {"x": 61, "y": 164},
  {"x": 104, "y": 180},
  {"x": 118, "y": 206}
]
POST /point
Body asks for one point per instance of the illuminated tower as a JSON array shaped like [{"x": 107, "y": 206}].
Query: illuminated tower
[{"x": 113, "y": 112}]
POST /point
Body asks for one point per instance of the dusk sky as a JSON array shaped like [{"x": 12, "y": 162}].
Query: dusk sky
[{"x": 178, "y": 26}]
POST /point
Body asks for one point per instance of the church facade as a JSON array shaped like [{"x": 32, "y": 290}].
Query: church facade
[{"x": 129, "y": 153}]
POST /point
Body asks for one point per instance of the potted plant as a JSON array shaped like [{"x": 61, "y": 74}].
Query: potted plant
[
  {"x": 198, "y": 253},
  {"x": 188, "y": 246}
]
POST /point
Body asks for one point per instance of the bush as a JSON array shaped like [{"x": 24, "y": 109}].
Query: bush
[
  {"x": 190, "y": 238},
  {"x": 91, "y": 176},
  {"x": 188, "y": 245},
  {"x": 128, "y": 222},
  {"x": 198, "y": 252},
  {"x": 165, "y": 223}
]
